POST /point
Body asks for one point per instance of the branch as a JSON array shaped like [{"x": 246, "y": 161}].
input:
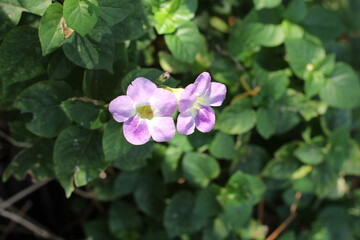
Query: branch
[
  {"x": 29, "y": 225},
  {"x": 288, "y": 220},
  {"x": 14, "y": 142},
  {"x": 10, "y": 201}
]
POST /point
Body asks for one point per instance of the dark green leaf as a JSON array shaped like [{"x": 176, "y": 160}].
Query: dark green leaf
[
  {"x": 170, "y": 163},
  {"x": 237, "y": 118},
  {"x": 37, "y": 159},
  {"x": 94, "y": 51},
  {"x": 78, "y": 157},
  {"x": 113, "y": 12},
  {"x": 296, "y": 11},
  {"x": 180, "y": 217},
  {"x": 125, "y": 183},
  {"x": 43, "y": 100},
  {"x": 50, "y": 29},
  {"x": 81, "y": 15},
  {"x": 249, "y": 159},
  {"x": 97, "y": 229},
  {"x": 20, "y": 56},
  {"x": 223, "y": 146},
  {"x": 124, "y": 222},
  {"x": 200, "y": 169},
  {"x": 85, "y": 114},
  {"x": 267, "y": 121},
  {"x": 310, "y": 153}
]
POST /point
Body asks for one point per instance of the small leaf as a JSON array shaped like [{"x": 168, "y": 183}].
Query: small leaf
[
  {"x": 180, "y": 217},
  {"x": 237, "y": 118},
  {"x": 267, "y": 120},
  {"x": 302, "y": 55},
  {"x": 35, "y": 6},
  {"x": 43, "y": 100},
  {"x": 342, "y": 89},
  {"x": 310, "y": 153},
  {"x": 81, "y": 15},
  {"x": 199, "y": 169},
  {"x": 223, "y": 146},
  {"x": 184, "y": 43},
  {"x": 78, "y": 157},
  {"x": 50, "y": 29},
  {"x": 113, "y": 12},
  {"x": 259, "y": 4},
  {"x": 94, "y": 51},
  {"x": 85, "y": 114}
]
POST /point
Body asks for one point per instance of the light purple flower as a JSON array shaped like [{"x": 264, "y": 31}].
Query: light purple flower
[
  {"x": 145, "y": 111},
  {"x": 195, "y": 104}
]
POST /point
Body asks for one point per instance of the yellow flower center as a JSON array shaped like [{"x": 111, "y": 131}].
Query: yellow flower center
[
  {"x": 200, "y": 101},
  {"x": 145, "y": 112}
]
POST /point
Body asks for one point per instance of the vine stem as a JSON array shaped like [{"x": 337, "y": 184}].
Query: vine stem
[
  {"x": 10, "y": 201},
  {"x": 288, "y": 220},
  {"x": 14, "y": 142}
]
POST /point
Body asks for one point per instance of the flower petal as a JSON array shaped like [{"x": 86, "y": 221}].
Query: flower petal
[
  {"x": 122, "y": 108},
  {"x": 136, "y": 131},
  {"x": 163, "y": 103},
  {"x": 202, "y": 83},
  {"x": 185, "y": 123},
  {"x": 140, "y": 90},
  {"x": 187, "y": 98},
  {"x": 205, "y": 119},
  {"x": 217, "y": 93},
  {"x": 161, "y": 129}
]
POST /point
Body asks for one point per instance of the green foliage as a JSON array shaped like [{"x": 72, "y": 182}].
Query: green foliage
[{"x": 289, "y": 124}]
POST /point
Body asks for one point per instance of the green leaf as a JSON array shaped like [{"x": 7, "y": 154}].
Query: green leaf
[
  {"x": 184, "y": 43},
  {"x": 237, "y": 118},
  {"x": 200, "y": 169},
  {"x": 85, "y": 114},
  {"x": 113, "y": 12},
  {"x": 296, "y": 11},
  {"x": 342, "y": 89},
  {"x": 302, "y": 55},
  {"x": 35, "y": 6},
  {"x": 134, "y": 25},
  {"x": 170, "y": 15},
  {"x": 125, "y": 155},
  {"x": 180, "y": 217},
  {"x": 170, "y": 164},
  {"x": 81, "y": 15},
  {"x": 149, "y": 195},
  {"x": 259, "y": 4},
  {"x": 323, "y": 23},
  {"x": 242, "y": 191},
  {"x": 97, "y": 229},
  {"x": 125, "y": 183},
  {"x": 206, "y": 203},
  {"x": 94, "y": 51},
  {"x": 171, "y": 64},
  {"x": 78, "y": 157},
  {"x": 223, "y": 146},
  {"x": 20, "y": 56},
  {"x": 59, "y": 66},
  {"x": 124, "y": 221},
  {"x": 43, "y": 100},
  {"x": 50, "y": 29},
  {"x": 249, "y": 159},
  {"x": 37, "y": 159},
  {"x": 12, "y": 9},
  {"x": 267, "y": 121},
  {"x": 284, "y": 163},
  {"x": 310, "y": 153},
  {"x": 267, "y": 35}
]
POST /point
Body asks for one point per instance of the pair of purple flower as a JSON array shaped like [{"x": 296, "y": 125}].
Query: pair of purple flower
[{"x": 146, "y": 109}]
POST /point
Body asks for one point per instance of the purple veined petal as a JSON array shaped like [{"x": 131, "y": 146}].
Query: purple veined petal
[
  {"x": 187, "y": 98},
  {"x": 217, "y": 94},
  {"x": 202, "y": 83},
  {"x": 140, "y": 90},
  {"x": 185, "y": 123},
  {"x": 163, "y": 103},
  {"x": 161, "y": 129},
  {"x": 136, "y": 131},
  {"x": 122, "y": 108},
  {"x": 205, "y": 119}
]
